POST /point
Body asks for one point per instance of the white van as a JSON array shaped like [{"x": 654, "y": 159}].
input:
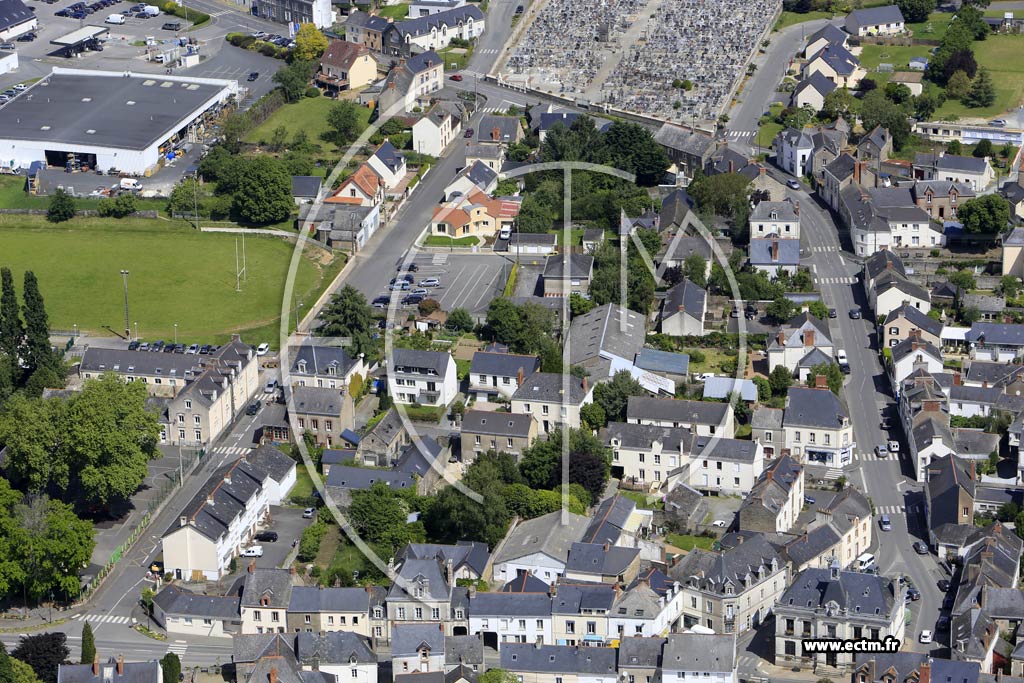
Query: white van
[
  {"x": 114, "y": 19},
  {"x": 865, "y": 562},
  {"x": 253, "y": 551},
  {"x": 151, "y": 10}
]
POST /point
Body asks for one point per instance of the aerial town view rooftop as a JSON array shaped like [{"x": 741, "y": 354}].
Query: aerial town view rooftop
[{"x": 511, "y": 341}]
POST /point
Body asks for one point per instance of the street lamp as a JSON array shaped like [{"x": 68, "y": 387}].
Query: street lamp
[
  {"x": 127, "y": 327},
  {"x": 175, "y": 334}
]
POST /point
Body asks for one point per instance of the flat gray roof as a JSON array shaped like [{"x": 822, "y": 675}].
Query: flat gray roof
[
  {"x": 80, "y": 35},
  {"x": 103, "y": 111}
]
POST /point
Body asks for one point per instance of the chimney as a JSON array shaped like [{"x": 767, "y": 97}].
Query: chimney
[
  {"x": 930, "y": 406},
  {"x": 856, "y": 172},
  {"x": 182, "y": 521},
  {"x": 681, "y": 308},
  {"x": 762, "y": 171},
  {"x": 732, "y": 166},
  {"x": 809, "y": 338},
  {"x": 606, "y": 547},
  {"x": 273, "y": 674},
  {"x": 782, "y": 338},
  {"x": 519, "y": 377},
  {"x": 585, "y": 386},
  {"x": 775, "y": 250},
  {"x": 796, "y": 209},
  {"x": 495, "y": 134},
  {"x": 769, "y": 475},
  {"x": 120, "y": 665},
  {"x": 554, "y": 589},
  {"x": 974, "y": 475},
  {"x": 96, "y": 664},
  {"x": 915, "y": 334},
  {"x": 449, "y": 567},
  {"x": 252, "y": 567},
  {"x": 740, "y": 539},
  {"x": 820, "y": 382},
  {"x": 925, "y": 675},
  {"x": 391, "y": 85},
  {"x": 291, "y": 570},
  {"x": 957, "y": 380}
]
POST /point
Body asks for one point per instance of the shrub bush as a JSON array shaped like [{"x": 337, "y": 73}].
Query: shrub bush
[
  {"x": 309, "y": 544},
  {"x": 268, "y": 50},
  {"x": 312, "y": 91}
]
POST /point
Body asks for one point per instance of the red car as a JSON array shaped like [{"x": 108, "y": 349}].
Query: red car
[{"x": 456, "y": 77}]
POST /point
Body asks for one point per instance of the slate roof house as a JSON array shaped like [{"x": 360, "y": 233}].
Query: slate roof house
[
  {"x": 702, "y": 418},
  {"x": 606, "y": 333},
  {"x": 484, "y": 430},
  {"x": 543, "y": 396},
  {"x": 799, "y": 338},
  {"x": 684, "y": 308},
  {"x": 875, "y": 21},
  {"x": 700, "y": 657},
  {"x": 730, "y": 590},
  {"x": 832, "y": 603},
  {"x": 539, "y": 546},
  {"x": 499, "y": 374},
  {"x": 183, "y": 612},
  {"x": 818, "y": 427},
  {"x": 113, "y": 671},
  {"x": 975, "y": 173},
  {"x": 775, "y": 501}
]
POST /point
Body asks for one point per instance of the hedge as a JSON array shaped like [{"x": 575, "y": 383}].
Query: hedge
[{"x": 195, "y": 17}]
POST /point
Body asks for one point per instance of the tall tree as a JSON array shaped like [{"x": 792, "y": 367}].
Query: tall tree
[
  {"x": 614, "y": 395},
  {"x": 310, "y": 43},
  {"x": 916, "y": 11},
  {"x": 982, "y": 92},
  {"x": 170, "y": 664},
  {"x": 832, "y": 374},
  {"x": 61, "y": 207},
  {"x": 6, "y": 669},
  {"x": 348, "y": 315},
  {"x": 780, "y": 380},
  {"x": 694, "y": 268},
  {"x": 266, "y": 194},
  {"x": 88, "y": 644},
  {"x": 12, "y": 333},
  {"x": 39, "y": 355},
  {"x": 343, "y": 119},
  {"x": 44, "y": 652},
  {"x": 958, "y": 86},
  {"x": 23, "y": 673},
  {"x": 988, "y": 214},
  {"x": 294, "y": 79}
]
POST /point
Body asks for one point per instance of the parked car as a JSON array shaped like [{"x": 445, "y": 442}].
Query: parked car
[
  {"x": 253, "y": 76},
  {"x": 926, "y": 636},
  {"x": 204, "y": 349},
  {"x": 468, "y": 133},
  {"x": 894, "y": 447},
  {"x": 179, "y": 348},
  {"x": 27, "y": 37},
  {"x": 169, "y": 348},
  {"x": 913, "y": 595},
  {"x": 720, "y": 523},
  {"x": 253, "y": 551},
  {"x": 793, "y": 184},
  {"x": 430, "y": 282},
  {"x": 267, "y": 536},
  {"x": 254, "y": 407},
  {"x": 399, "y": 284},
  {"x": 8, "y": 46},
  {"x": 841, "y": 357},
  {"x": 832, "y": 313},
  {"x": 133, "y": 345},
  {"x": 308, "y": 513},
  {"x": 193, "y": 349},
  {"x": 157, "y": 346},
  {"x": 920, "y": 547},
  {"x": 412, "y": 299},
  {"x": 885, "y": 524},
  {"x": 381, "y": 302},
  {"x": 262, "y": 349},
  {"x": 944, "y": 585},
  {"x": 419, "y": 291}
]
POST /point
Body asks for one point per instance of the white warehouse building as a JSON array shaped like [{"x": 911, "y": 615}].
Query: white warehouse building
[{"x": 108, "y": 120}]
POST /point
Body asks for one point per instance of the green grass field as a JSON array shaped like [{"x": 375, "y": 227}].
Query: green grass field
[
  {"x": 1003, "y": 56},
  {"x": 177, "y": 276},
  {"x": 934, "y": 28},
  {"x": 687, "y": 542},
  {"x": 395, "y": 12},
  {"x": 308, "y": 114},
  {"x": 787, "y": 19},
  {"x": 898, "y": 56}
]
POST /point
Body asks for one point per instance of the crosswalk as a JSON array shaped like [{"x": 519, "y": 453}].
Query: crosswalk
[
  {"x": 439, "y": 259},
  {"x": 494, "y": 110},
  {"x": 748, "y": 662},
  {"x": 821, "y": 248},
  {"x": 487, "y": 51},
  {"x": 892, "y": 509},
  {"x": 230, "y": 450},
  {"x": 472, "y": 74},
  {"x": 220, "y": 13},
  {"x": 871, "y": 457},
  {"x": 96, "y": 619},
  {"x": 740, "y": 134},
  {"x": 178, "y": 647},
  {"x": 835, "y": 280}
]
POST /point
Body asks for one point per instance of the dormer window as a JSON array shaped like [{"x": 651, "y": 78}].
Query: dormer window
[{"x": 301, "y": 366}]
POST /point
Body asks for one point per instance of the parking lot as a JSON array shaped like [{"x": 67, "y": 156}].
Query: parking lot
[
  {"x": 468, "y": 281},
  {"x": 288, "y": 523}
]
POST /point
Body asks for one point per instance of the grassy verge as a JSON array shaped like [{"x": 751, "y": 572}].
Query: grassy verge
[
  {"x": 712, "y": 362},
  {"x": 688, "y": 542},
  {"x": 787, "y": 19},
  {"x": 455, "y": 58},
  {"x": 510, "y": 286},
  {"x": 934, "y": 28},
  {"x": 13, "y": 195},
  {"x": 303, "y": 488},
  {"x": 873, "y": 55},
  {"x": 177, "y": 275},
  {"x": 442, "y": 241}
]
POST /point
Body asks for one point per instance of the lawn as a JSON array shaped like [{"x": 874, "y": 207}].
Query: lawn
[
  {"x": 177, "y": 276},
  {"x": 395, "y": 12},
  {"x": 303, "y": 488},
  {"x": 643, "y": 501},
  {"x": 687, "y": 542},
  {"x": 713, "y": 359},
  {"x": 766, "y": 133},
  {"x": 308, "y": 114},
  {"x": 442, "y": 241},
  {"x": 455, "y": 58},
  {"x": 898, "y": 56},
  {"x": 934, "y": 28},
  {"x": 787, "y": 19},
  {"x": 1003, "y": 56}
]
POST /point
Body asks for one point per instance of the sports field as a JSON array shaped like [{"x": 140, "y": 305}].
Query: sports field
[{"x": 176, "y": 276}]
